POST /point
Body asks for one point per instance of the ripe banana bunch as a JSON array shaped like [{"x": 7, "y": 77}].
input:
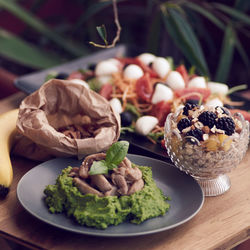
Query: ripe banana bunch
[{"x": 7, "y": 133}]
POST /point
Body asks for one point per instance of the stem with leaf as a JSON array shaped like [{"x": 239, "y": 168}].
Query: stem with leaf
[{"x": 102, "y": 31}]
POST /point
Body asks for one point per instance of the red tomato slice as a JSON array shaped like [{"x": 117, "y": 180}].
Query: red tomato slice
[
  {"x": 144, "y": 89},
  {"x": 245, "y": 114},
  {"x": 76, "y": 75},
  {"x": 183, "y": 71},
  {"x": 188, "y": 91},
  {"x": 161, "y": 110},
  {"x": 81, "y": 75},
  {"x": 106, "y": 91}
]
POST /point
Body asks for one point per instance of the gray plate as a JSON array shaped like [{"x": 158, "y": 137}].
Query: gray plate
[{"x": 186, "y": 198}]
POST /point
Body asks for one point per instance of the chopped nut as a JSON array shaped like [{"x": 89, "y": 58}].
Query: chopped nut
[
  {"x": 213, "y": 129},
  {"x": 199, "y": 125},
  {"x": 185, "y": 130},
  {"x": 192, "y": 127},
  {"x": 206, "y": 129},
  {"x": 238, "y": 125},
  {"x": 205, "y": 137},
  {"x": 194, "y": 120},
  {"x": 219, "y": 131}
]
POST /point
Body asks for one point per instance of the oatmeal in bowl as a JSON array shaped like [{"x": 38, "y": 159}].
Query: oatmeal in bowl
[{"x": 207, "y": 143}]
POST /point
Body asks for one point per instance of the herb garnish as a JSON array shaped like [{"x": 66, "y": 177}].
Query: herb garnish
[{"x": 114, "y": 156}]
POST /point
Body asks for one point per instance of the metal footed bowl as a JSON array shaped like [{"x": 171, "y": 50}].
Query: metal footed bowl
[{"x": 209, "y": 168}]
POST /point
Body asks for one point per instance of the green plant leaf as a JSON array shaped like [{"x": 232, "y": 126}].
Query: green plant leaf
[
  {"x": 98, "y": 167},
  {"x": 31, "y": 20},
  {"x": 226, "y": 55},
  {"x": 206, "y": 14},
  {"x": 117, "y": 152},
  {"x": 242, "y": 52},
  {"x": 185, "y": 39},
  {"x": 102, "y": 33},
  {"x": 233, "y": 12},
  {"x": 24, "y": 53}
]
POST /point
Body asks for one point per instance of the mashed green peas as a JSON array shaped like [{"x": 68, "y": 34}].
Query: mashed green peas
[{"x": 100, "y": 212}]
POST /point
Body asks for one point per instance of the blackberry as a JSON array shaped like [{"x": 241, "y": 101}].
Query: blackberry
[
  {"x": 227, "y": 124},
  {"x": 207, "y": 118},
  {"x": 183, "y": 123},
  {"x": 197, "y": 133},
  {"x": 188, "y": 106}
]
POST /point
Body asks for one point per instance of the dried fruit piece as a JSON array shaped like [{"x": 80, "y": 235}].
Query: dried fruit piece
[
  {"x": 225, "y": 142},
  {"x": 212, "y": 144}
]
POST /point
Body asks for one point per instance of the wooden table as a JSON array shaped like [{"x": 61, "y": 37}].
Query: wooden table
[{"x": 222, "y": 223}]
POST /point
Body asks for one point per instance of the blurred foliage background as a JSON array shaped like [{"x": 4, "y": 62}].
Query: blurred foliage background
[{"x": 211, "y": 35}]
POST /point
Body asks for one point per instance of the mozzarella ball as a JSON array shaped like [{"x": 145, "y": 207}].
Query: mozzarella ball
[
  {"x": 161, "y": 66},
  {"x": 133, "y": 71},
  {"x": 146, "y": 58},
  {"x": 105, "y": 68},
  {"x": 218, "y": 88},
  {"x": 80, "y": 82},
  {"x": 104, "y": 79},
  {"x": 214, "y": 103},
  {"x": 197, "y": 82},
  {"x": 175, "y": 80},
  {"x": 162, "y": 93},
  {"x": 114, "y": 61},
  {"x": 116, "y": 105},
  {"x": 145, "y": 124}
]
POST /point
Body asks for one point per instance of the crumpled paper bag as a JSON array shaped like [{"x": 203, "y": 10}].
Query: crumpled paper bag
[{"x": 58, "y": 104}]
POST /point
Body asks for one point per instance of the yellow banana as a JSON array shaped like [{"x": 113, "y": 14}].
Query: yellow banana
[{"x": 7, "y": 133}]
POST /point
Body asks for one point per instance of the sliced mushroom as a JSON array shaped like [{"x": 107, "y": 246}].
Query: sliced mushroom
[
  {"x": 120, "y": 181},
  {"x": 111, "y": 192},
  {"x": 133, "y": 174},
  {"x": 101, "y": 182},
  {"x": 136, "y": 186},
  {"x": 85, "y": 188},
  {"x": 74, "y": 172}
]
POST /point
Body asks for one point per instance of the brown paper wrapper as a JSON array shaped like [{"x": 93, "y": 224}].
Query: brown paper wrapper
[{"x": 57, "y": 104}]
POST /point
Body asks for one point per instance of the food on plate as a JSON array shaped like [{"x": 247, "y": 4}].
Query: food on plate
[
  {"x": 148, "y": 85},
  {"x": 107, "y": 189},
  {"x": 206, "y": 140},
  {"x": 7, "y": 134}
]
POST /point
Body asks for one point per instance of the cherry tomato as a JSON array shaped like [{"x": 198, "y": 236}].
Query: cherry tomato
[
  {"x": 183, "y": 71},
  {"x": 76, "y": 75},
  {"x": 106, "y": 91},
  {"x": 161, "y": 110},
  {"x": 163, "y": 144},
  {"x": 204, "y": 92},
  {"x": 245, "y": 114},
  {"x": 81, "y": 75},
  {"x": 143, "y": 88}
]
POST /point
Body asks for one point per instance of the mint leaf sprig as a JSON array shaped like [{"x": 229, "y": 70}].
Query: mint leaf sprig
[{"x": 114, "y": 156}]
